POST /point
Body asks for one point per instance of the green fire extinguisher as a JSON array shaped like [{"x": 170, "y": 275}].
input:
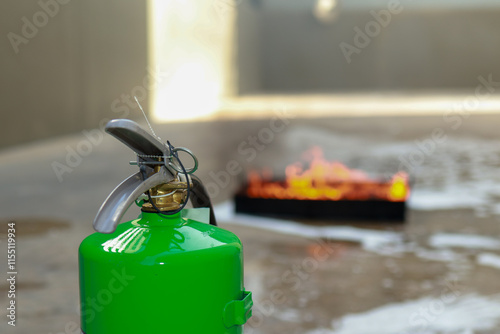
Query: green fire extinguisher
[{"x": 172, "y": 270}]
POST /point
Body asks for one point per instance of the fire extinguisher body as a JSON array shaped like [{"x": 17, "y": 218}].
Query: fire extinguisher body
[{"x": 163, "y": 274}]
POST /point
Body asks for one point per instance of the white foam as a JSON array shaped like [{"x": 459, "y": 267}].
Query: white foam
[
  {"x": 372, "y": 240},
  {"x": 489, "y": 259},
  {"x": 448, "y": 198},
  {"x": 288, "y": 315},
  {"x": 446, "y": 240},
  {"x": 443, "y": 255},
  {"x": 446, "y": 315}
]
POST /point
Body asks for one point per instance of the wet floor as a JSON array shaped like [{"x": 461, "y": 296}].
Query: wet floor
[
  {"x": 334, "y": 286},
  {"x": 438, "y": 273}
]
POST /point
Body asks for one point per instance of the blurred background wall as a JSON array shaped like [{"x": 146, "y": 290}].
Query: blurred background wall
[
  {"x": 65, "y": 63},
  {"x": 299, "y": 46},
  {"x": 68, "y": 65}
]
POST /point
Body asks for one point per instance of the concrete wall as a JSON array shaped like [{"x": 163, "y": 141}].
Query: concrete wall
[
  {"x": 248, "y": 43},
  {"x": 66, "y": 72},
  {"x": 86, "y": 57},
  {"x": 428, "y": 45}
]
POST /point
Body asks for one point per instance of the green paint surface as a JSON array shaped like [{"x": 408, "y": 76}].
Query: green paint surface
[{"x": 163, "y": 274}]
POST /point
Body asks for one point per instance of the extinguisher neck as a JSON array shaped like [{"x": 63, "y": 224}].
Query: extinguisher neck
[{"x": 150, "y": 219}]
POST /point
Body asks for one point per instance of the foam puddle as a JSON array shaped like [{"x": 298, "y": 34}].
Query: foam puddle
[
  {"x": 385, "y": 243},
  {"x": 452, "y": 197},
  {"x": 449, "y": 314},
  {"x": 371, "y": 240},
  {"x": 461, "y": 174},
  {"x": 489, "y": 259},
  {"x": 446, "y": 240}
]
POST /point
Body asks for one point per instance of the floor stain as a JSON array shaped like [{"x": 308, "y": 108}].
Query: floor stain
[
  {"x": 32, "y": 226},
  {"x": 20, "y": 286}
]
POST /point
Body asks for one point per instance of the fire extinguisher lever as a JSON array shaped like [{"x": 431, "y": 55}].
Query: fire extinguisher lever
[
  {"x": 162, "y": 177},
  {"x": 135, "y": 137},
  {"x": 120, "y": 199}
]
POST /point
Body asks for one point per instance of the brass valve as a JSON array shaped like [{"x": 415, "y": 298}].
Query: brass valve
[{"x": 167, "y": 197}]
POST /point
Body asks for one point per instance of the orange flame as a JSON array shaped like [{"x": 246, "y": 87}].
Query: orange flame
[{"x": 324, "y": 180}]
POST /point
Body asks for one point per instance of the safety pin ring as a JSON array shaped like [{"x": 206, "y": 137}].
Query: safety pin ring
[{"x": 188, "y": 170}]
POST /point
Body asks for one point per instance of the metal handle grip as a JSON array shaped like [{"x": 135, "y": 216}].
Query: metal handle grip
[
  {"x": 200, "y": 198},
  {"x": 120, "y": 199}
]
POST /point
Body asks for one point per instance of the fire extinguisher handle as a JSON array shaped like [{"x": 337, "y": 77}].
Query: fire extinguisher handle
[
  {"x": 136, "y": 138},
  {"x": 151, "y": 152},
  {"x": 120, "y": 199},
  {"x": 200, "y": 198}
]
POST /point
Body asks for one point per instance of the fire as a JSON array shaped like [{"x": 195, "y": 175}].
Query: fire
[{"x": 319, "y": 179}]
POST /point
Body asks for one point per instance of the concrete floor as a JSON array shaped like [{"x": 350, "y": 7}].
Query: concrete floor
[{"x": 438, "y": 273}]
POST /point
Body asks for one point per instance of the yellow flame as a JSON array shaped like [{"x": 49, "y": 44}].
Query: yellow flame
[{"x": 324, "y": 180}]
